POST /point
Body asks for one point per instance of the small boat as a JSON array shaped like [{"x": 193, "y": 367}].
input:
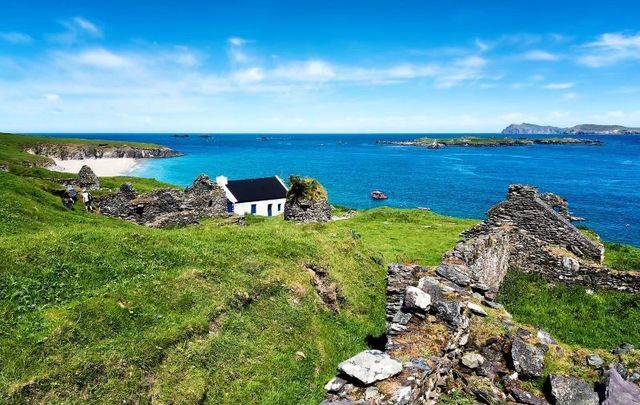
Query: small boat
[{"x": 378, "y": 195}]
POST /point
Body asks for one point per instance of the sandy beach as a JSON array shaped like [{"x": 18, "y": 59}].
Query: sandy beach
[{"x": 101, "y": 167}]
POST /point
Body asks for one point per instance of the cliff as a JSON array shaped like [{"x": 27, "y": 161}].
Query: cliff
[
  {"x": 65, "y": 151},
  {"x": 582, "y": 129}
]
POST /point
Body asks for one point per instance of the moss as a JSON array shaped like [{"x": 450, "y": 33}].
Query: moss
[{"x": 305, "y": 188}]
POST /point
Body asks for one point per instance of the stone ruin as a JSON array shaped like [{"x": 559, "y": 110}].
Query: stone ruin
[
  {"x": 166, "y": 207},
  {"x": 432, "y": 345},
  {"x": 88, "y": 179},
  {"x": 307, "y": 201}
]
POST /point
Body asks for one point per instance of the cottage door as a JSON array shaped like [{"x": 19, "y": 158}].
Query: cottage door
[{"x": 269, "y": 209}]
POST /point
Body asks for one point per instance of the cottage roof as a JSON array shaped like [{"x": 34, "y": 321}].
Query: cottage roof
[{"x": 266, "y": 188}]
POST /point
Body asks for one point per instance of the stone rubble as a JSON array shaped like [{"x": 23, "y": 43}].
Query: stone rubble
[
  {"x": 166, "y": 207},
  {"x": 529, "y": 231},
  {"x": 88, "y": 179}
]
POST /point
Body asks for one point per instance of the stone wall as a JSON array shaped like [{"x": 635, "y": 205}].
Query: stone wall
[
  {"x": 305, "y": 210},
  {"x": 166, "y": 207},
  {"x": 431, "y": 311}
]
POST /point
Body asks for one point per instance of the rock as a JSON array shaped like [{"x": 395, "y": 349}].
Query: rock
[
  {"x": 476, "y": 309},
  {"x": 448, "y": 311},
  {"x": 307, "y": 201},
  {"x": 166, "y": 207},
  {"x": 492, "y": 304},
  {"x": 480, "y": 288},
  {"x": 431, "y": 286},
  {"x": 545, "y": 338},
  {"x": 527, "y": 359},
  {"x": 300, "y": 356},
  {"x": 88, "y": 179},
  {"x": 619, "y": 391},
  {"x": 525, "y": 397},
  {"x": 624, "y": 348},
  {"x": 335, "y": 384},
  {"x": 452, "y": 273},
  {"x": 4, "y": 167},
  {"x": 370, "y": 366},
  {"x": 634, "y": 377},
  {"x": 594, "y": 360},
  {"x": 523, "y": 333},
  {"x": 570, "y": 264},
  {"x": 401, "y": 396},
  {"x": 371, "y": 393},
  {"x": 567, "y": 390},
  {"x": 416, "y": 299},
  {"x": 472, "y": 360},
  {"x": 620, "y": 369}
]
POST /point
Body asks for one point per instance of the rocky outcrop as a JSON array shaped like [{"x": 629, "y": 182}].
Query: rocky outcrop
[
  {"x": 307, "y": 201},
  {"x": 88, "y": 179},
  {"x": 66, "y": 151},
  {"x": 166, "y": 207},
  {"x": 485, "y": 142}
]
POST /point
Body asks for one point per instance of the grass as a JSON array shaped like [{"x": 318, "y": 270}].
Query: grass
[
  {"x": 94, "y": 309},
  {"x": 305, "y": 188},
  {"x": 603, "y": 319},
  {"x": 622, "y": 257},
  {"x": 97, "y": 309}
]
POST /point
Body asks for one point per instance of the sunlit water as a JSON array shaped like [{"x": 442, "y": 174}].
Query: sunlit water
[{"x": 602, "y": 183}]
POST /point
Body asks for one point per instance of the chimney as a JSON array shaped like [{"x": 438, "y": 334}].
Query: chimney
[{"x": 222, "y": 181}]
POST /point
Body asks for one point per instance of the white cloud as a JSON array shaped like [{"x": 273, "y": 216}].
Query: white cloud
[
  {"x": 306, "y": 71},
  {"x": 101, "y": 58},
  {"x": 611, "y": 48},
  {"x": 540, "y": 55},
  {"x": 251, "y": 75},
  {"x": 236, "y": 41},
  {"x": 16, "y": 38},
  {"x": 51, "y": 96},
  {"x": 570, "y": 96},
  {"x": 558, "y": 86},
  {"x": 462, "y": 70},
  {"x": 186, "y": 57},
  {"x": 537, "y": 77},
  {"x": 87, "y": 26},
  {"x": 482, "y": 45},
  {"x": 77, "y": 29}
]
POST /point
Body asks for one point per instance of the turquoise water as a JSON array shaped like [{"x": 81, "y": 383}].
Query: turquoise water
[{"x": 602, "y": 183}]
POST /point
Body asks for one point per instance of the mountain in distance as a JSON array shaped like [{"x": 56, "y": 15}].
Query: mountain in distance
[{"x": 583, "y": 129}]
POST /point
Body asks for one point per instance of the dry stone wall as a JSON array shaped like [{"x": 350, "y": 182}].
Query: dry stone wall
[
  {"x": 166, "y": 207},
  {"x": 430, "y": 313}
]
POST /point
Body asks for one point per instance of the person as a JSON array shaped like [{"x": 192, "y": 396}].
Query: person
[
  {"x": 71, "y": 192},
  {"x": 87, "y": 198}
]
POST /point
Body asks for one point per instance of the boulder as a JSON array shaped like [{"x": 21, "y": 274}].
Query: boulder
[
  {"x": 594, "y": 360},
  {"x": 88, "y": 179},
  {"x": 335, "y": 384},
  {"x": 567, "y": 390},
  {"x": 448, "y": 311},
  {"x": 476, "y": 309},
  {"x": 545, "y": 338},
  {"x": 453, "y": 273},
  {"x": 623, "y": 348},
  {"x": 370, "y": 366},
  {"x": 527, "y": 359},
  {"x": 619, "y": 391},
  {"x": 416, "y": 300},
  {"x": 472, "y": 360},
  {"x": 4, "y": 167},
  {"x": 525, "y": 397}
]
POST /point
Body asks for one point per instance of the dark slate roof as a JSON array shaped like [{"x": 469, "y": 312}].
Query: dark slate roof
[{"x": 266, "y": 188}]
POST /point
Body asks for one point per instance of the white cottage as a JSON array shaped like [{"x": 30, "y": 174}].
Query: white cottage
[{"x": 264, "y": 196}]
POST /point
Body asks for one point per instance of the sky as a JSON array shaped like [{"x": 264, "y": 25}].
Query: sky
[{"x": 316, "y": 66}]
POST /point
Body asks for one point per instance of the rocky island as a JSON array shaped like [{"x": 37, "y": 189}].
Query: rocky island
[
  {"x": 478, "y": 141},
  {"x": 583, "y": 129}
]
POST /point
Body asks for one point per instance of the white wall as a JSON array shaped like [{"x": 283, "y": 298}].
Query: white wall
[{"x": 261, "y": 207}]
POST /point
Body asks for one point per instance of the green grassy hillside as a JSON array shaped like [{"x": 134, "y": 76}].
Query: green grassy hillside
[{"x": 93, "y": 308}]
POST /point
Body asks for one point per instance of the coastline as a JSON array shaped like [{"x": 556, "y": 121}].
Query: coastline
[{"x": 101, "y": 167}]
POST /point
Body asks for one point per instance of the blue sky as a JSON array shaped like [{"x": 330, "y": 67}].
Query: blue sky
[{"x": 316, "y": 66}]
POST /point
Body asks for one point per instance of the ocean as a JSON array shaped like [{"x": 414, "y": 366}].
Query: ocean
[{"x": 601, "y": 183}]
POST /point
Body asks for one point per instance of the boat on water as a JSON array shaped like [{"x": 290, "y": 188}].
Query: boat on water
[{"x": 378, "y": 195}]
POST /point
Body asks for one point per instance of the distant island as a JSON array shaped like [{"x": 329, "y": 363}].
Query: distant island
[
  {"x": 478, "y": 141},
  {"x": 582, "y": 129}
]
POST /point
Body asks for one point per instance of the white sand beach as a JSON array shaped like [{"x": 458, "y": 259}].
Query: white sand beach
[{"x": 101, "y": 167}]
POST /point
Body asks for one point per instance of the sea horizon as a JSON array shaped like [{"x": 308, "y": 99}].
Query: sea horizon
[{"x": 454, "y": 181}]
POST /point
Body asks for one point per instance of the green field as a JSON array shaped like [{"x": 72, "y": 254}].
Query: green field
[{"x": 97, "y": 309}]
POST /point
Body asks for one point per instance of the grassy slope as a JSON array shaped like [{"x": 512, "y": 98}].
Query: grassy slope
[{"x": 96, "y": 308}]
